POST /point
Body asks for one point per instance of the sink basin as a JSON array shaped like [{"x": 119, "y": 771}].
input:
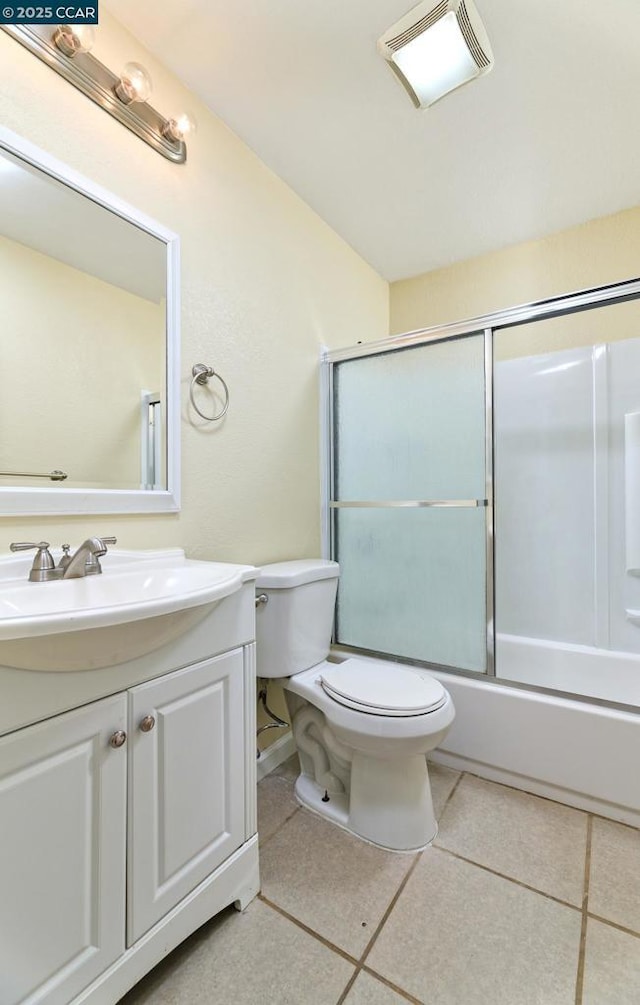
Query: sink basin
[{"x": 141, "y": 601}]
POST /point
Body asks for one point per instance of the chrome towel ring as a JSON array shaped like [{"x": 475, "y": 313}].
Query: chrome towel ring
[{"x": 200, "y": 375}]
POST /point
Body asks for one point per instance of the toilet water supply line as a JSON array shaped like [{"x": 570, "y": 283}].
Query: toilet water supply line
[
  {"x": 306, "y": 718},
  {"x": 277, "y": 722}
]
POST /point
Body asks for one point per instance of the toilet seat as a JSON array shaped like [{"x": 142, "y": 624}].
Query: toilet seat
[{"x": 376, "y": 690}]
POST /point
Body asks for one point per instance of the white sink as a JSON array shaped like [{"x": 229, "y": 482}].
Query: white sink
[{"x": 141, "y": 601}]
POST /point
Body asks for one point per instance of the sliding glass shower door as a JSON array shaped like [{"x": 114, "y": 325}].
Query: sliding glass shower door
[{"x": 411, "y": 502}]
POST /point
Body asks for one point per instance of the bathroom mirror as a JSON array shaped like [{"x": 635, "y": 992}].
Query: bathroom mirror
[{"x": 89, "y": 400}]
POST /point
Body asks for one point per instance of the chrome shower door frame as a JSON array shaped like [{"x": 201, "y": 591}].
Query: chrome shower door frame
[{"x": 486, "y": 324}]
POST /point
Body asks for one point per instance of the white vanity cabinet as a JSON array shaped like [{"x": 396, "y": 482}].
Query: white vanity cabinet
[
  {"x": 129, "y": 821},
  {"x": 62, "y": 853},
  {"x": 186, "y": 797}
]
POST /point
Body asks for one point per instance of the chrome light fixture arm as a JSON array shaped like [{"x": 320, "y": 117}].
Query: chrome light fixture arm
[{"x": 103, "y": 86}]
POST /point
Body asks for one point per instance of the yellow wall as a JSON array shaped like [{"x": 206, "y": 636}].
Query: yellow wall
[
  {"x": 596, "y": 253},
  {"x": 65, "y": 337},
  {"x": 265, "y": 283}
]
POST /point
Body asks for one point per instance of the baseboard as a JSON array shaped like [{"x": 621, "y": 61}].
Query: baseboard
[{"x": 275, "y": 754}]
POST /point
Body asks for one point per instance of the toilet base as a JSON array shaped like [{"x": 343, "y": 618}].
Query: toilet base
[{"x": 389, "y": 805}]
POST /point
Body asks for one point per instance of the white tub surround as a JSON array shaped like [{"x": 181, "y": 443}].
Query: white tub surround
[{"x": 567, "y": 484}]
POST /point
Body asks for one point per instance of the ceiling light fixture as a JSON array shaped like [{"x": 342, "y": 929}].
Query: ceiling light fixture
[
  {"x": 434, "y": 49},
  {"x": 65, "y": 48}
]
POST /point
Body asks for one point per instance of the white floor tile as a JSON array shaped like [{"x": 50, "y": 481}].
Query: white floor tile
[
  {"x": 331, "y": 881},
  {"x": 459, "y": 935},
  {"x": 533, "y": 840},
  {"x": 242, "y": 959},
  {"x": 614, "y": 887}
]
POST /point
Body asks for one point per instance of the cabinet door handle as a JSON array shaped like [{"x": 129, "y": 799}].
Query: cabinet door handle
[
  {"x": 118, "y": 739},
  {"x": 147, "y": 724}
]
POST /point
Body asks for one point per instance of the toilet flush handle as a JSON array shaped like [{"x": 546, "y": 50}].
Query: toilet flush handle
[{"x": 262, "y": 599}]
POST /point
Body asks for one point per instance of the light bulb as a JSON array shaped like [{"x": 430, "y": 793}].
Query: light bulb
[
  {"x": 180, "y": 127},
  {"x": 74, "y": 38},
  {"x": 134, "y": 84}
]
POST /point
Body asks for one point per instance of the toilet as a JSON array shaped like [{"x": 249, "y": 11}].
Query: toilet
[{"x": 362, "y": 728}]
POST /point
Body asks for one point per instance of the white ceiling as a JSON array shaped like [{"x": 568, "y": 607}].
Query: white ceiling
[{"x": 548, "y": 139}]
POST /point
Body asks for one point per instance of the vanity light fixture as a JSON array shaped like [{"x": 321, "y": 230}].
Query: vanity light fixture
[
  {"x": 178, "y": 128},
  {"x": 134, "y": 84},
  {"x": 74, "y": 38},
  {"x": 435, "y": 49},
  {"x": 65, "y": 48}
]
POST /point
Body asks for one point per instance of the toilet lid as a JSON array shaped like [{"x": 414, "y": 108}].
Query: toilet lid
[{"x": 379, "y": 690}]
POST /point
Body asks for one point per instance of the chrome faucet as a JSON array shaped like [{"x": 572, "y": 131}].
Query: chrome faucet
[{"x": 84, "y": 562}]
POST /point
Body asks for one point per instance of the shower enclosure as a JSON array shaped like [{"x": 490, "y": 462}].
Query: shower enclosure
[
  {"x": 412, "y": 507},
  {"x": 483, "y": 496}
]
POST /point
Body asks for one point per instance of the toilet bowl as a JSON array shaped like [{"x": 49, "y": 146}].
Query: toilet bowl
[{"x": 362, "y": 728}]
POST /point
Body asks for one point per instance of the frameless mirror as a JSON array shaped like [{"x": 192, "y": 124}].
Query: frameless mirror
[{"x": 89, "y": 357}]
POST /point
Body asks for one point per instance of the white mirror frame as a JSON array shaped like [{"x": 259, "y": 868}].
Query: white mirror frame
[{"x": 23, "y": 501}]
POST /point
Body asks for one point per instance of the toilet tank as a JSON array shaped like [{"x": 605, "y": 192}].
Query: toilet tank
[{"x": 293, "y": 629}]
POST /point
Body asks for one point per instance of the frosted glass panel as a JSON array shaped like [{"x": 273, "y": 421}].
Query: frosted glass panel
[
  {"x": 410, "y": 424},
  {"x": 412, "y": 583}
]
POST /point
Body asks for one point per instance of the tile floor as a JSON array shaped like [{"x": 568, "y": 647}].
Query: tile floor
[{"x": 520, "y": 901}]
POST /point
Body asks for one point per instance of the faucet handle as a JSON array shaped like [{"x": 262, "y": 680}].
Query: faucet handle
[
  {"x": 28, "y": 545},
  {"x": 44, "y": 567},
  {"x": 109, "y": 540}
]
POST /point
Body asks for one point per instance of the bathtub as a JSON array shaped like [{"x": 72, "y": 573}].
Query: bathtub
[
  {"x": 575, "y": 751},
  {"x": 581, "y": 670}
]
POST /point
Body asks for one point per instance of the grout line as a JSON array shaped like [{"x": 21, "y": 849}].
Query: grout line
[
  {"x": 451, "y": 794},
  {"x": 585, "y": 905},
  {"x": 358, "y": 964},
  {"x": 611, "y": 820},
  {"x": 394, "y": 987},
  {"x": 274, "y": 774},
  {"x": 618, "y": 823},
  {"x": 349, "y": 985},
  {"x": 370, "y": 943},
  {"x": 278, "y": 828},
  {"x": 614, "y": 924},
  {"x": 392, "y": 904},
  {"x": 305, "y": 928},
  {"x": 510, "y": 879}
]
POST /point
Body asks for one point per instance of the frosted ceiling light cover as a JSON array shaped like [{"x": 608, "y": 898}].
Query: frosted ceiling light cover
[{"x": 434, "y": 49}]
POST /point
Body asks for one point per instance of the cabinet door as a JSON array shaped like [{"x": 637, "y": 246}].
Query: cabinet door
[
  {"x": 62, "y": 853},
  {"x": 186, "y": 795}
]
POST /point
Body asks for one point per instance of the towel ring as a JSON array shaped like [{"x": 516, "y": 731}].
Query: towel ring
[{"x": 200, "y": 375}]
